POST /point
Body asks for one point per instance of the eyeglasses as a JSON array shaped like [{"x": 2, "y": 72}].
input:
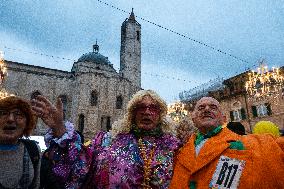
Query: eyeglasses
[
  {"x": 144, "y": 108},
  {"x": 17, "y": 114}
]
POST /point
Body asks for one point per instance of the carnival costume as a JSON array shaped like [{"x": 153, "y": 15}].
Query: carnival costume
[
  {"x": 19, "y": 162},
  {"x": 135, "y": 159},
  {"x": 227, "y": 160}
]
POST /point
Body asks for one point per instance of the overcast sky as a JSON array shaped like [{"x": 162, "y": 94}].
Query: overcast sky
[{"x": 247, "y": 29}]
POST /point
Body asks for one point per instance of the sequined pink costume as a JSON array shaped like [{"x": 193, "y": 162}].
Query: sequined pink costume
[{"x": 110, "y": 163}]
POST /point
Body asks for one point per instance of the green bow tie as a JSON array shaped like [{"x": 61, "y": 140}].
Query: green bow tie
[{"x": 200, "y": 137}]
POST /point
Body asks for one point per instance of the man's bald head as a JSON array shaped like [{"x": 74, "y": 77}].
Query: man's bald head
[
  {"x": 207, "y": 114},
  {"x": 211, "y": 99}
]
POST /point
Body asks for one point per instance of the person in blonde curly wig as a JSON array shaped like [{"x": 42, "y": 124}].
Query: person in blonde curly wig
[
  {"x": 138, "y": 152},
  {"x": 128, "y": 122}
]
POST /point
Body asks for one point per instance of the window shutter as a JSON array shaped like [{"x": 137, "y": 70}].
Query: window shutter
[
  {"x": 243, "y": 113},
  {"x": 254, "y": 111},
  {"x": 268, "y": 108},
  {"x": 231, "y": 115}
]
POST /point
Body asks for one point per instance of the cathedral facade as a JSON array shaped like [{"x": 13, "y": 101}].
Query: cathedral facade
[{"x": 93, "y": 93}]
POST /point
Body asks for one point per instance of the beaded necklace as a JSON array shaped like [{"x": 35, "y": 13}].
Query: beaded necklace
[{"x": 148, "y": 159}]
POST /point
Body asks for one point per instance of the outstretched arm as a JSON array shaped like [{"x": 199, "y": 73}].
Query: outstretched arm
[{"x": 70, "y": 159}]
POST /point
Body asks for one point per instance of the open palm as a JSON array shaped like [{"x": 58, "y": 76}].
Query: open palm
[{"x": 51, "y": 115}]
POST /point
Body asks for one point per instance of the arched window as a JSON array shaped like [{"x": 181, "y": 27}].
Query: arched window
[
  {"x": 105, "y": 123},
  {"x": 94, "y": 98},
  {"x": 81, "y": 123},
  {"x": 238, "y": 113},
  {"x": 65, "y": 105},
  {"x": 108, "y": 125},
  {"x": 35, "y": 94},
  {"x": 119, "y": 102}
]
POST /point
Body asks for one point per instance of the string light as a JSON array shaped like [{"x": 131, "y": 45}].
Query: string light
[
  {"x": 179, "y": 34},
  {"x": 186, "y": 95},
  {"x": 63, "y": 58},
  {"x": 3, "y": 71},
  {"x": 264, "y": 83},
  {"x": 202, "y": 90},
  {"x": 162, "y": 27}
]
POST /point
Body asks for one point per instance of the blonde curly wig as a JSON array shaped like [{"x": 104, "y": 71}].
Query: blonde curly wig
[{"x": 124, "y": 125}]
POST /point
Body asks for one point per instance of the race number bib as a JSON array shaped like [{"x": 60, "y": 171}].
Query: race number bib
[{"x": 227, "y": 173}]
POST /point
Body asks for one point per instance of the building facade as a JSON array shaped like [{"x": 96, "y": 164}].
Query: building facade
[
  {"x": 93, "y": 93},
  {"x": 239, "y": 107}
]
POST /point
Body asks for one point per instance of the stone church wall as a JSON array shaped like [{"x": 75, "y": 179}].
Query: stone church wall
[{"x": 92, "y": 72}]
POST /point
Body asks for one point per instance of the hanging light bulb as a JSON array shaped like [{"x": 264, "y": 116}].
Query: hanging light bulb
[
  {"x": 177, "y": 111},
  {"x": 264, "y": 83},
  {"x": 3, "y": 71}
]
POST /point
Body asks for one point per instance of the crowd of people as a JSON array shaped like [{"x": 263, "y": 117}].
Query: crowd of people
[{"x": 144, "y": 149}]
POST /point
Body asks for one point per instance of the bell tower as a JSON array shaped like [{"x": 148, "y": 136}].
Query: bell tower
[{"x": 130, "y": 50}]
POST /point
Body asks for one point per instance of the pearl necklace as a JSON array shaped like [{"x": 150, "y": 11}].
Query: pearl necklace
[{"x": 148, "y": 159}]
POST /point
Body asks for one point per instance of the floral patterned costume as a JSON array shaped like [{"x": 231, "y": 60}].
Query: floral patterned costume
[{"x": 111, "y": 162}]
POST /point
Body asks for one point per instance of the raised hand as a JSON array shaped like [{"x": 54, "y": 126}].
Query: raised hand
[{"x": 51, "y": 115}]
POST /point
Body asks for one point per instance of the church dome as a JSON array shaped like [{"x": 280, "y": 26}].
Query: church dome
[{"x": 94, "y": 56}]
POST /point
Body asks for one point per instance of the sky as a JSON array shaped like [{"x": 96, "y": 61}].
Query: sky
[{"x": 245, "y": 31}]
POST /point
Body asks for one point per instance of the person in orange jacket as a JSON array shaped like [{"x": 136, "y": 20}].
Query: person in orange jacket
[{"x": 216, "y": 157}]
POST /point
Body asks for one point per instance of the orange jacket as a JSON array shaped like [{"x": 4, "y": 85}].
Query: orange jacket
[{"x": 260, "y": 165}]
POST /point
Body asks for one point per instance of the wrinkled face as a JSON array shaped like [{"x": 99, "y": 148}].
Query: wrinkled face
[
  {"x": 147, "y": 113},
  {"x": 12, "y": 125},
  {"x": 207, "y": 114}
]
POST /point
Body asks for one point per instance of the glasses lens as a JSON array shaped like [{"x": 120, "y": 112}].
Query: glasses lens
[
  {"x": 3, "y": 113},
  {"x": 144, "y": 108},
  {"x": 17, "y": 114}
]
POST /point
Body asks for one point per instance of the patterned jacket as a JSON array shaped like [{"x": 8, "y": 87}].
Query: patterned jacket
[{"x": 110, "y": 163}]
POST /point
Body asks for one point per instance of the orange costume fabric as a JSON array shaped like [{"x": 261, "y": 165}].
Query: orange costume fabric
[{"x": 262, "y": 163}]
